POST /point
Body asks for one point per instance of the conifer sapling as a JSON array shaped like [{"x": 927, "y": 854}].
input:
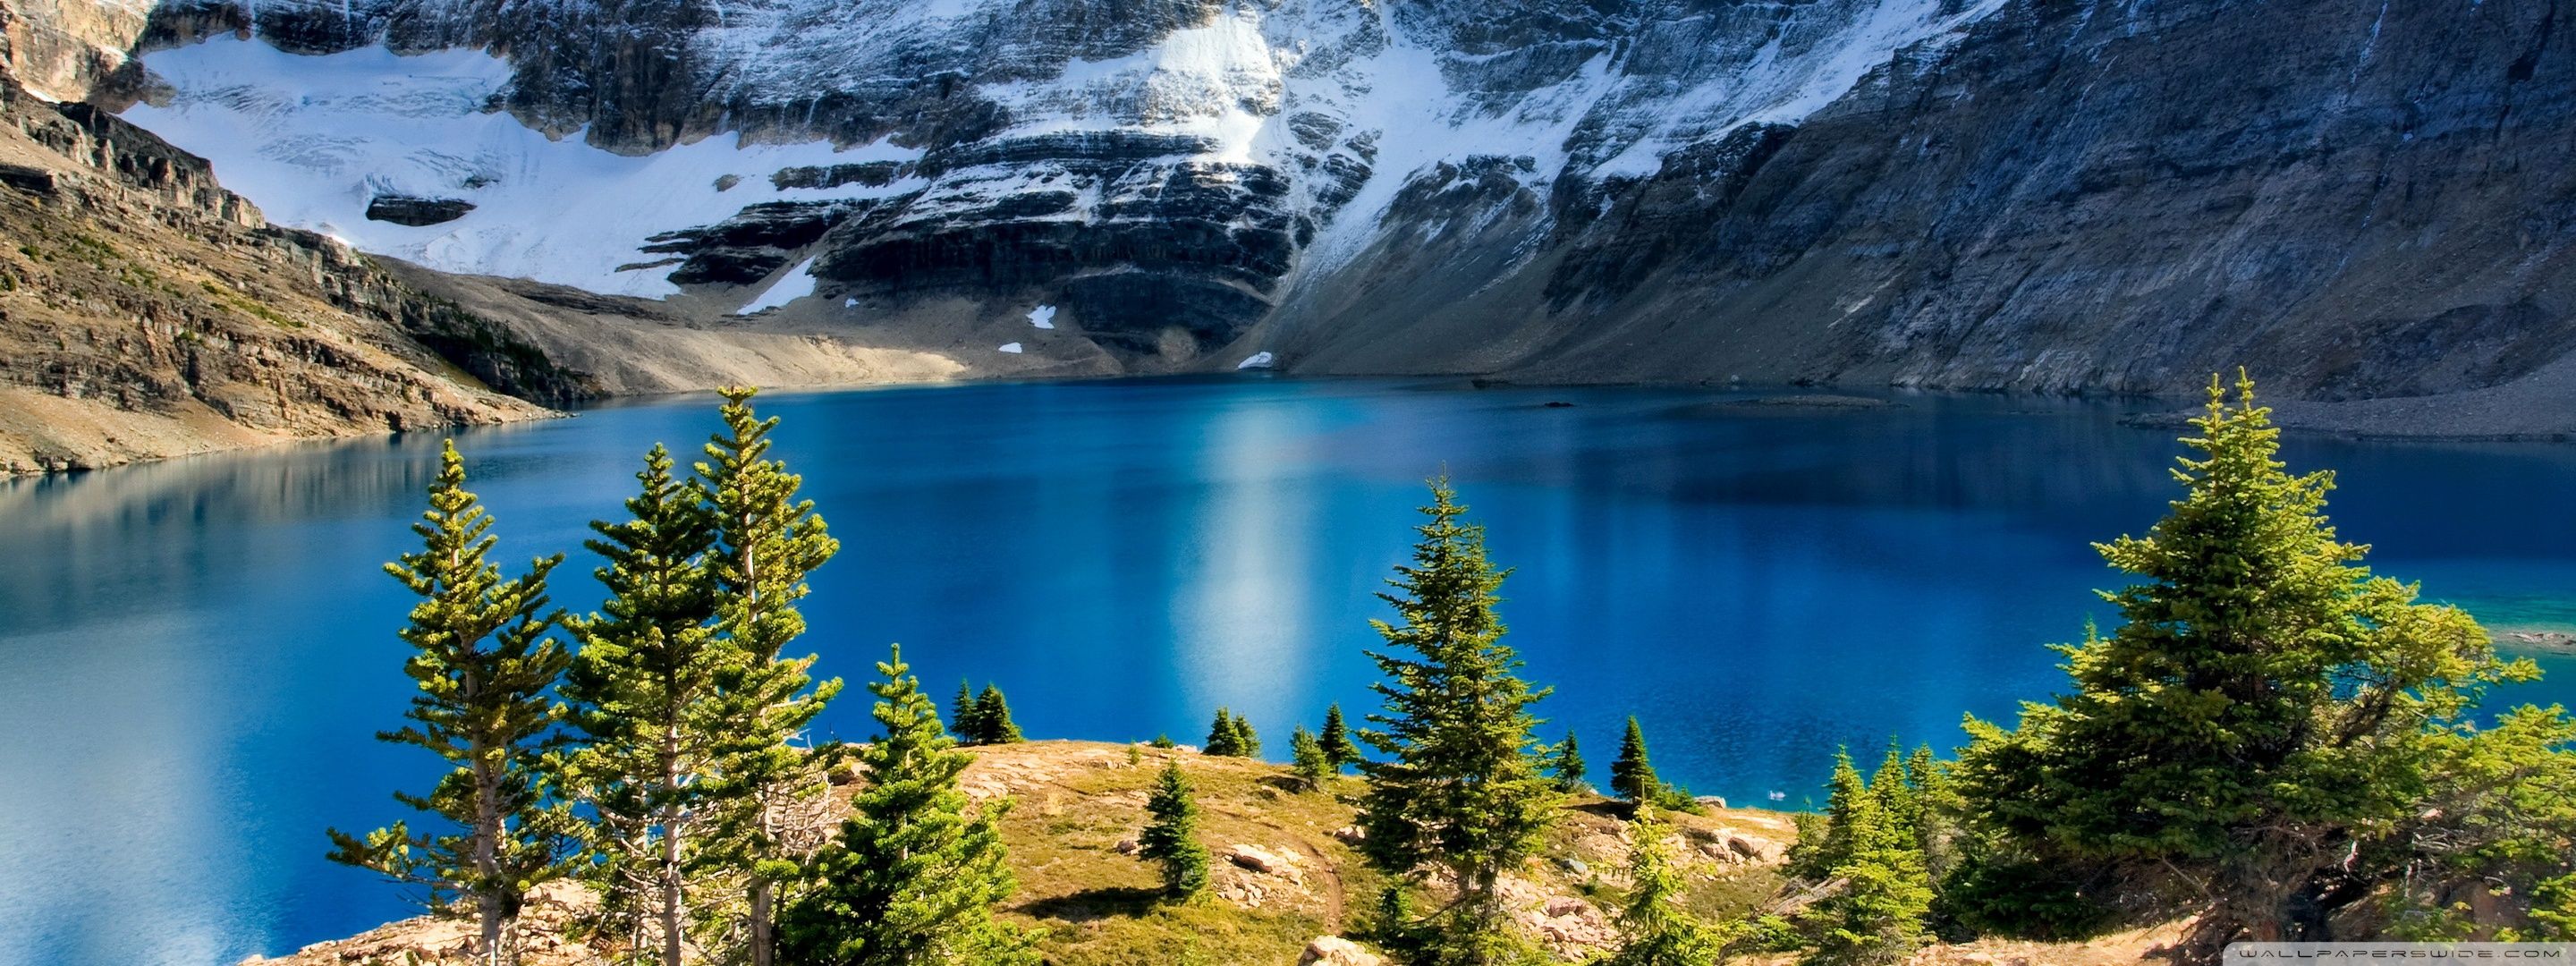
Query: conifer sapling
[
  {"x": 1171, "y": 838},
  {"x": 1565, "y": 764},
  {"x": 993, "y": 724},
  {"x": 1336, "y": 739},
  {"x": 912, "y": 878},
  {"x": 1307, "y": 759}
]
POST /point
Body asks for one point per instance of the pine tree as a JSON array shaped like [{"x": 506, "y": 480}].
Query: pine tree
[
  {"x": 962, "y": 720},
  {"x": 1225, "y": 737},
  {"x": 1934, "y": 813},
  {"x": 1460, "y": 789},
  {"x": 993, "y": 724},
  {"x": 1171, "y": 839},
  {"x": 1247, "y": 743},
  {"x": 1653, "y": 929},
  {"x": 1632, "y": 777},
  {"x": 641, "y": 690},
  {"x": 1307, "y": 759},
  {"x": 1336, "y": 739},
  {"x": 1877, "y": 915},
  {"x": 2265, "y": 703},
  {"x": 1815, "y": 857},
  {"x": 911, "y": 880},
  {"x": 1565, "y": 763},
  {"x": 484, "y": 664},
  {"x": 1903, "y": 804},
  {"x": 767, "y": 541}
]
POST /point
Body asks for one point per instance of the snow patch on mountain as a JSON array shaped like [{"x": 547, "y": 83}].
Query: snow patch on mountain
[
  {"x": 1220, "y": 82},
  {"x": 1783, "y": 87},
  {"x": 796, "y": 284},
  {"x": 314, "y": 140}
]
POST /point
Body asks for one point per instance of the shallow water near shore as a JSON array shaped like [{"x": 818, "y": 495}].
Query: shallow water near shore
[{"x": 194, "y": 655}]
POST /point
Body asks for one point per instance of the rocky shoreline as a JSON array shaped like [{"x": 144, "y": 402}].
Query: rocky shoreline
[{"x": 2534, "y": 640}]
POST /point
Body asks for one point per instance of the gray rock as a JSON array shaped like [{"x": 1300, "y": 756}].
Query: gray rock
[{"x": 407, "y": 210}]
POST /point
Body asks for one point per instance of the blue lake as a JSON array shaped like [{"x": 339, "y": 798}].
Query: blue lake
[{"x": 195, "y": 654}]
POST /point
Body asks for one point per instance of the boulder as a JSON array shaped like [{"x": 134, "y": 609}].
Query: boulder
[
  {"x": 417, "y": 212},
  {"x": 1257, "y": 859},
  {"x": 1337, "y": 951},
  {"x": 1754, "y": 848}
]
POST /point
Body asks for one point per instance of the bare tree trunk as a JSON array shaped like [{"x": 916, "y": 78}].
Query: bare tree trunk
[
  {"x": 763, "y": 930},
  {"x": 672, "y": 897},
  {"x": 672, "y": 885},
  {"x": 487, "y": 841}
]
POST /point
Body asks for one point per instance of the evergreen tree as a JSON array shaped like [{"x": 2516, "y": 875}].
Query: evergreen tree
[
  {"x": 1247, "y": 743},
  {"x": 1336, "y": 739},
  {"x": 1904, "y": 806},
  {"x": 1225, "y": 736},
  {"x": 1653, "y": 928},
  {"x": 911, "y": 880},
  {"x": 1306, "y": 756},
  {"x": 1632, "y": 777},
  {"x": 767, "y": 541},
  {"x": 993, "y": 722},
  {"x": 1934, "y": 812},
  {"x": 962, "y": 719},
  {"x": 641, "y": 690},
  {"x": 2499, "y": 822},
  {"x": 1171, "y": 839},
  {"x": 1877, "y": 914},
  {"x": 1460, "y": 789},
  {"x": 483, "y": 663},
  {"x": 2265, "y": 706},
  {"x": 1815, "y": 856},
  {"x": 1565, "y": 762}
]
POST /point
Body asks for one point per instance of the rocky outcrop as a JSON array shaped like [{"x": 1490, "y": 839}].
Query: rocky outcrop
[
  {"x": 61, "y": 49},
  {"x": 1337, "y": 951},
  {"x": 2349, "y": 200},
  {"x": 146, "y": 312},
  {"x": 417, "y": 212}
]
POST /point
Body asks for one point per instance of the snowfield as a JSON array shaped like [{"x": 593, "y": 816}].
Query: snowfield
[{"x": 312, "y": 140}]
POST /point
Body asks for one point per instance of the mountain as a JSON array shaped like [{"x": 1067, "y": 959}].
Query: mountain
[
  {"x": 146, "y": 312},
  {"x": 2360, "y": 201}
]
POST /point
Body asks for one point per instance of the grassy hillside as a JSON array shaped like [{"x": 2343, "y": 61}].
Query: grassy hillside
[{"x": 1282, "y": 876}]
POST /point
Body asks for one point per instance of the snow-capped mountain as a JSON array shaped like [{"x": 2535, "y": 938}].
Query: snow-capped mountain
[
  {"x": 2358, "y": 198},
  {"x": 1160, "y": 169}
]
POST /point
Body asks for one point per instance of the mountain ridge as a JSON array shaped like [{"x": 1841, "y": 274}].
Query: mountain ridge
[{"x": 2361, "y": 203}]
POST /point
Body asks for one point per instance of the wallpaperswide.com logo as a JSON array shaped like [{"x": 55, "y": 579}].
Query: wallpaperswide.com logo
[{"x": 2376, "y": 952}]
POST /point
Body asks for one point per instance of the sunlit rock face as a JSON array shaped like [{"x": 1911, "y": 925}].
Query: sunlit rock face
[{"x": 2048, "y": 194}]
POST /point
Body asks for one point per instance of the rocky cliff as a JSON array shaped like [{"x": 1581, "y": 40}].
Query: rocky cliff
[
  {"x": 147, "y": 312},
  {"x": 2357, "y": 199}
]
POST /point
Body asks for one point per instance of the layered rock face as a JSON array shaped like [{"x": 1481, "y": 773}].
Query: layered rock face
[
  {"x": 2355, "y": 199},
  {"x": 2352, "y": 201},
  {"x": 146, "y": 312}
]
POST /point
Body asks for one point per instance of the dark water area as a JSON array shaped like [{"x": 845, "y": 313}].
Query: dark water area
[{"x": 195, "y": 654}]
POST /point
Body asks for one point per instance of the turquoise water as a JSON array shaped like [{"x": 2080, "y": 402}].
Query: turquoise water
[{"x": 194, "y": 654}]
